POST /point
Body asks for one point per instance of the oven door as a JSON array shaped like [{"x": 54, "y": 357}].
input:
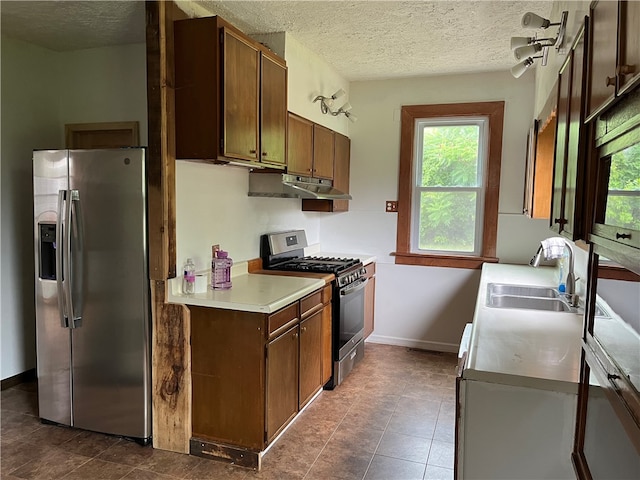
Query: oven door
[{"x": 350, "y": 319}]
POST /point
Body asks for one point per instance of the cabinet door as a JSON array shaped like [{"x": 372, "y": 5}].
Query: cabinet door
[
  {"x": 282, "y": 381},
  {"x": 299, "y": 146},
  {"x": 240, "y": 97},
  {"x": 629, "y": 56},
  {"x": 310, "y": 357},
  {"x": 557, "y": 219},
  {"x": 342, "y": 146},
  {"x": 603, "y": 43},
  {"x": 273, "y": 119},
  {"x": 617, "y": 214},
  {"x": 369, "y": 300},
  {"x": 327, "y": 355},
  {"x": 576, "y": 159},
  {"x": 323, "y": 153}
]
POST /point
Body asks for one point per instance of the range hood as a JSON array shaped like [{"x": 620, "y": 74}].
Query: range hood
[{"x": 293, "y": 186}]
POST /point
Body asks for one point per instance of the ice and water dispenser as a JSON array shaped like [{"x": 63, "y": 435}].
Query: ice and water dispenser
[{"x": 47, "y": 251}]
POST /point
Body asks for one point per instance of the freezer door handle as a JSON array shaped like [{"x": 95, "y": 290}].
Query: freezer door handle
[
  {"x": 71, "y": 265},
  {"x": 60, "y": 242}
]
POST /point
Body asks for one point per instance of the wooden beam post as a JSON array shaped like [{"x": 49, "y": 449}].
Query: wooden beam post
[{"x": 171, "y": 353}]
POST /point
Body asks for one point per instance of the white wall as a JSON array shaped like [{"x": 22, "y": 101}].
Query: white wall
[
  {"x": 212, "y": 207},
  {"x": 29, "y": 120},
  {"x": 310, "y": 76},
  {"x": 41, "y": 91},
  {"x": 427, "y": 306},
  {"x": 105, "y": 85}
]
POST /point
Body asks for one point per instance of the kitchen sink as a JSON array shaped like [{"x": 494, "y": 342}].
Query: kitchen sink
[
  {"x": 529, "y": 303},
  {"x": 529, "y": 297},
  {"x": 521, "y": 290}
]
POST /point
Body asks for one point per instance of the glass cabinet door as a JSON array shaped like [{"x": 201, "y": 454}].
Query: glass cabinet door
[
  {"x": 609, "y": 450},
  {"x": 608, "y": 421},
  {"x": 617, "y": 215}
]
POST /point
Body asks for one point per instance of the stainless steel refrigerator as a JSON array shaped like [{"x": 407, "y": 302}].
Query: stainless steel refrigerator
[{"x": 92, "y": 290}]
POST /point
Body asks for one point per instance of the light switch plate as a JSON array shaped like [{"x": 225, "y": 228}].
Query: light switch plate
[{"x": 391, "y": 206}]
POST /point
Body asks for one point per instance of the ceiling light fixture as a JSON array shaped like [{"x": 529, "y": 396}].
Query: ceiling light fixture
[
  {"x": 327, "y": 102},
  {"x": 525, "y": 48}
]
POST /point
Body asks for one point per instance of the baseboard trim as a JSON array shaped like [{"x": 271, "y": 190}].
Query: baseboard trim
[
  {"x": 412, "y": 343},
  {"x": 23, "y": 377}
]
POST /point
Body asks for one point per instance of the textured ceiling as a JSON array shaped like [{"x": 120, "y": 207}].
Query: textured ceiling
[
  {"x": 72, "y": 25},
  {"x": 362, "y": 40}
]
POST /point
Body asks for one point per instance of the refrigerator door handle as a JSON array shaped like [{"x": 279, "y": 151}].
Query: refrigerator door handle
[
  {"x": 60, "y": 242},
  {"x": 75, "y": 261},
  {"x": 70, "y": 264}
]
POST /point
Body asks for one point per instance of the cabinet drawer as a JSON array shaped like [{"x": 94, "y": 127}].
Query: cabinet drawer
[
  {"x": 282, "y": 317},
  {"x": 310, "y": 303}
]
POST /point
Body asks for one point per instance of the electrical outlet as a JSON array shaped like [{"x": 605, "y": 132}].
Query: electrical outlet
[{"x": 391, "y": 206}]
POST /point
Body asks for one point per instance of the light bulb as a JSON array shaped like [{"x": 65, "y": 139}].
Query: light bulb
[
  {"x": 531, "y": 20},
  {"x": 338, "y": 94},
  {"x": 520, "y": 42},
  {"x": 528, "y": 51},
  {"x": 518, "y": 69}
]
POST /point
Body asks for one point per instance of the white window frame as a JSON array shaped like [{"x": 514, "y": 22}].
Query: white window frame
[{"x": 482, "y": 123}]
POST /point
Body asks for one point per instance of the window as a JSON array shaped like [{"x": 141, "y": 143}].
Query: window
[{"x": 449, "y": 184}]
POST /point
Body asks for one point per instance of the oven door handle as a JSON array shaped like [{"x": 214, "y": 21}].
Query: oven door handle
[{"x": 354, "y": 288}]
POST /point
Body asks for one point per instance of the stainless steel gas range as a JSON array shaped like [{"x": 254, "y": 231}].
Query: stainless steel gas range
[{"x": 285, "y": 251}]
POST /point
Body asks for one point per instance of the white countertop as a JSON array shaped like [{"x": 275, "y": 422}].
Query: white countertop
[
  {"x": 249, "y": 293},
  {"x": 528, "y": 348},
  {"x": 314, "y": 250}
]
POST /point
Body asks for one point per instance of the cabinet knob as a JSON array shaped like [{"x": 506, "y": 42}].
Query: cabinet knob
[
  {"x": 295, "y": 335},
  {"x": 264, "y": 154},
  {"x": 560, "y": 221},
  {"x": 252, "y": 151},
  {"x": 611, "y": 81},
  {"x": 626, "y": 69},
  {"x": 622, "y": 235},
  {"x": 612, "y": 376},
  {"x": 304, "y": 329}
]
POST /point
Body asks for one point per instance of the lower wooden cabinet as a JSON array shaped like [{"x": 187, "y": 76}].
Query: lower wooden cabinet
[
  {"x": 282, "y": 381},
  {"x": 310, "y": 358},
  {"x": 253, "y": 372},
  {"x": 369, "y": 299}
]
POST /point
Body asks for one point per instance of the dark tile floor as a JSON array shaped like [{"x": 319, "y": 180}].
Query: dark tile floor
[{"x": 392, "y": 419}]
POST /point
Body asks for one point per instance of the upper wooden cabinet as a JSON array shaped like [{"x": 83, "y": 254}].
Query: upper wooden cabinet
[
  {"x": 273, "y": 115},
  {"x": 615, "y": 52},
  {"x": 341, "y": 176},
  {"x": 323, "y": 152},
  {"x": 299, "y": 146},
  {"x": 230, "y": 95},
  {"x": 310, "y": 150},
  {"x": 341, "y": 170},
  {"x": 539, "y": 165},
  {"x": 240, "y": 96},
  {"x": 570, "y": 160}
]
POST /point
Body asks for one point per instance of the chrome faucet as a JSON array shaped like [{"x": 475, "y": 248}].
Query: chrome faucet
[{"x": 570, "y": 283}]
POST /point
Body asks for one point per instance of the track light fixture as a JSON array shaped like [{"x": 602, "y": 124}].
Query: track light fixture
[
  {"x": 524, "y": 48},
  {"x": 327, "y": 102}
]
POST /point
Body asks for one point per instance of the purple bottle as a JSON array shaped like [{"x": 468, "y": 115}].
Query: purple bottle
[{"x": 221, "y": 271}]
